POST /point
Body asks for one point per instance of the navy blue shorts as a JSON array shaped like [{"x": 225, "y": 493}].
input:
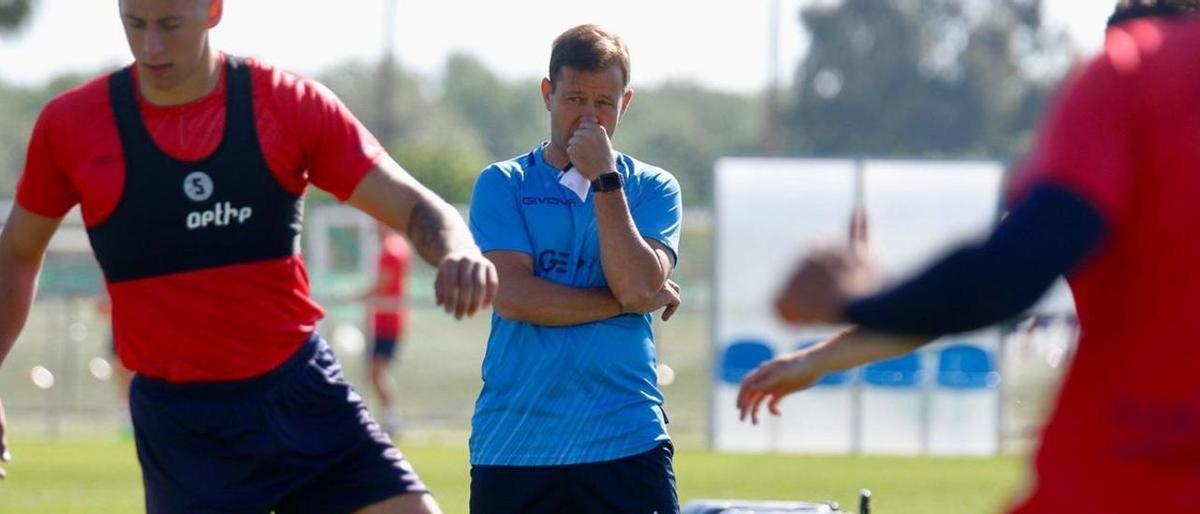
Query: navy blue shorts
[
  {"x": 384, "y": 348},
  {"x": 296, "y": 440},
  {"x": 640, "y": 484}
]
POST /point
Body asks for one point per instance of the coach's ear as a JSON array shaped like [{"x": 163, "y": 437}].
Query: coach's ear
[{"x": 547, "y": 89}]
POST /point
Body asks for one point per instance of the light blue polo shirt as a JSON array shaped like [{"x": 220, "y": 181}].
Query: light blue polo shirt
[{"x": 583, "y": 393}]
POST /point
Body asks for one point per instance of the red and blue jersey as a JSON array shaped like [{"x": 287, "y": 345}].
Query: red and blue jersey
[
  {"x": 1124, "y": 435},
  {"x": 388, "y": 312},
  {"x": 213, "y": 322}
]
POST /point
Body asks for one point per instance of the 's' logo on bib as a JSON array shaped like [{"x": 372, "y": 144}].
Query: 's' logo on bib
[{"x": 198, "y": 186}]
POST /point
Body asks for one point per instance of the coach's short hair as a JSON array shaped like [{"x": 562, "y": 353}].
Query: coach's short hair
[
  {"x": 588, "y": 48},
  {"x": 1129, "y": 9}
]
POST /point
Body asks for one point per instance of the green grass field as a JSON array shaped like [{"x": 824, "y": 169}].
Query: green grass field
[{"x": 102, "y": 477}]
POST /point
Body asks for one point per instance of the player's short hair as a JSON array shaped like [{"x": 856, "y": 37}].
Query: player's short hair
[
  {"x": 588, "y": 48},
  {"x": 1130, "y": 9}
]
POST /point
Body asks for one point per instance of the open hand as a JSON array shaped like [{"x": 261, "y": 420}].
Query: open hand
[{"x": 774, "y": 380}]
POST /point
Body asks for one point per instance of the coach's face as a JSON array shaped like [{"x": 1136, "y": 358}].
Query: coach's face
[
  {"x": 576, "y": 94},
  {"x": 169, "y": 38}
]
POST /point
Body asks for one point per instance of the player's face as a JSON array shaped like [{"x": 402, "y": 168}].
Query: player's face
[
  {"x": 169, "y": 39},
  {"x": 577, "y": 94}
]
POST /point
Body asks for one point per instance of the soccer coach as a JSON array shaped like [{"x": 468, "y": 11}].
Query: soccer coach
[{"x": 570, "y": 417}]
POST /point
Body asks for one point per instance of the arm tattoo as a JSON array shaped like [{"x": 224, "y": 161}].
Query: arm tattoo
[{"x": 427, "y": 230}]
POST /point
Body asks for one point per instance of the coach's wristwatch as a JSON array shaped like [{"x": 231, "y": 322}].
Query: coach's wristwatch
[{"x": 606, "y": 182}]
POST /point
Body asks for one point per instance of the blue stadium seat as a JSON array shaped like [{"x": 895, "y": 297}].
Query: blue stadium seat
[
  {"x": 741, "y": 357},
  {"x": 964, "y": 366},
  {"x": 834, "y": 379},
  {"x": 900, "y": 372}
]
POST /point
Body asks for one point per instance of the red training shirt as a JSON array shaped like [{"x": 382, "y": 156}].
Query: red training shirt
[
  {"x": 1125, "y": 134},
  {"x": 222, "y": 323},
  {"x": 394, "y": 257}
]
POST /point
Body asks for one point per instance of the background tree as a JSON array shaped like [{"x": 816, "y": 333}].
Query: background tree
[
  {"x": 447, "y": 130},
  {"x": 923, "y": 77},
  {"x": 685, "y": 128},
  {"x": 440, "y": 149},
  {"x": 14, "y": 14},
  {"x": 891, "y": 78}
]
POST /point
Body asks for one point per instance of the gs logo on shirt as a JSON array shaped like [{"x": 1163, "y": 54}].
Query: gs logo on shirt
[{"x": 553, "y": 260}]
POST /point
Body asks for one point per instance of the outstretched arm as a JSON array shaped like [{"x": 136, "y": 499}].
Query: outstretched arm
[
  {"x": 466, "y": 280},
  {"x": 1046, "y": 235},
  {"x": 797, "y": 371}
]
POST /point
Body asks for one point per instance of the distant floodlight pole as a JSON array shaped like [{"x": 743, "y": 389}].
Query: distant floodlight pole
[
  {"x": 385, "y": 94},
  {"x": 770, "y": 134},
  {"x": 390, "y": 10}
]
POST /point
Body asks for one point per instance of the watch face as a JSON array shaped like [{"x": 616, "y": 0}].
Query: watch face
[{"x": 607, "y": 182}]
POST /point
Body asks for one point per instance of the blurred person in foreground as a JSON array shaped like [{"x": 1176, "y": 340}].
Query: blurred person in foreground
[
  {"x": 190, "y": 166},
  {"x": 1108, "y": 198},
  {"x": 570, "y": 418}
]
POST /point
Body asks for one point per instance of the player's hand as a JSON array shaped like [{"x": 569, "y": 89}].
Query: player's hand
[
  {"x": 828, "y": 278},
  {"x": 590, "y": 149},
  {"x": 5, "y": 456},
  {"x": 774, "y": 380},
  {"x": 465, "y": 283}
]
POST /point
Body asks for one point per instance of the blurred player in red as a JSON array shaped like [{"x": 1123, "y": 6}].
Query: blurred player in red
[
  {"x": 1109, "y": 199},
  {"x": 387, "y": 318}
]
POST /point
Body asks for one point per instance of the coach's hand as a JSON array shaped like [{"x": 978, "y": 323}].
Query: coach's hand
[
  {"x": 5, "y": 456},
  {"x": 828, "y": 278},
  {"x": 667, "y": 299},
  {"x": 590, "y": 149},
  {"x": 774, "y": 380},
  {"x": 465, "y": 283}
]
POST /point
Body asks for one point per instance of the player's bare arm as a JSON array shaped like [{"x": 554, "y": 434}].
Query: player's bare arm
[
  {"x": 525, "y": 297},
  {"x": 797, "y": 371},
  {"x": 636, "y": 268},
  {"x": 466, "y": 281},
  {"x": 23, "y": 243}
]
